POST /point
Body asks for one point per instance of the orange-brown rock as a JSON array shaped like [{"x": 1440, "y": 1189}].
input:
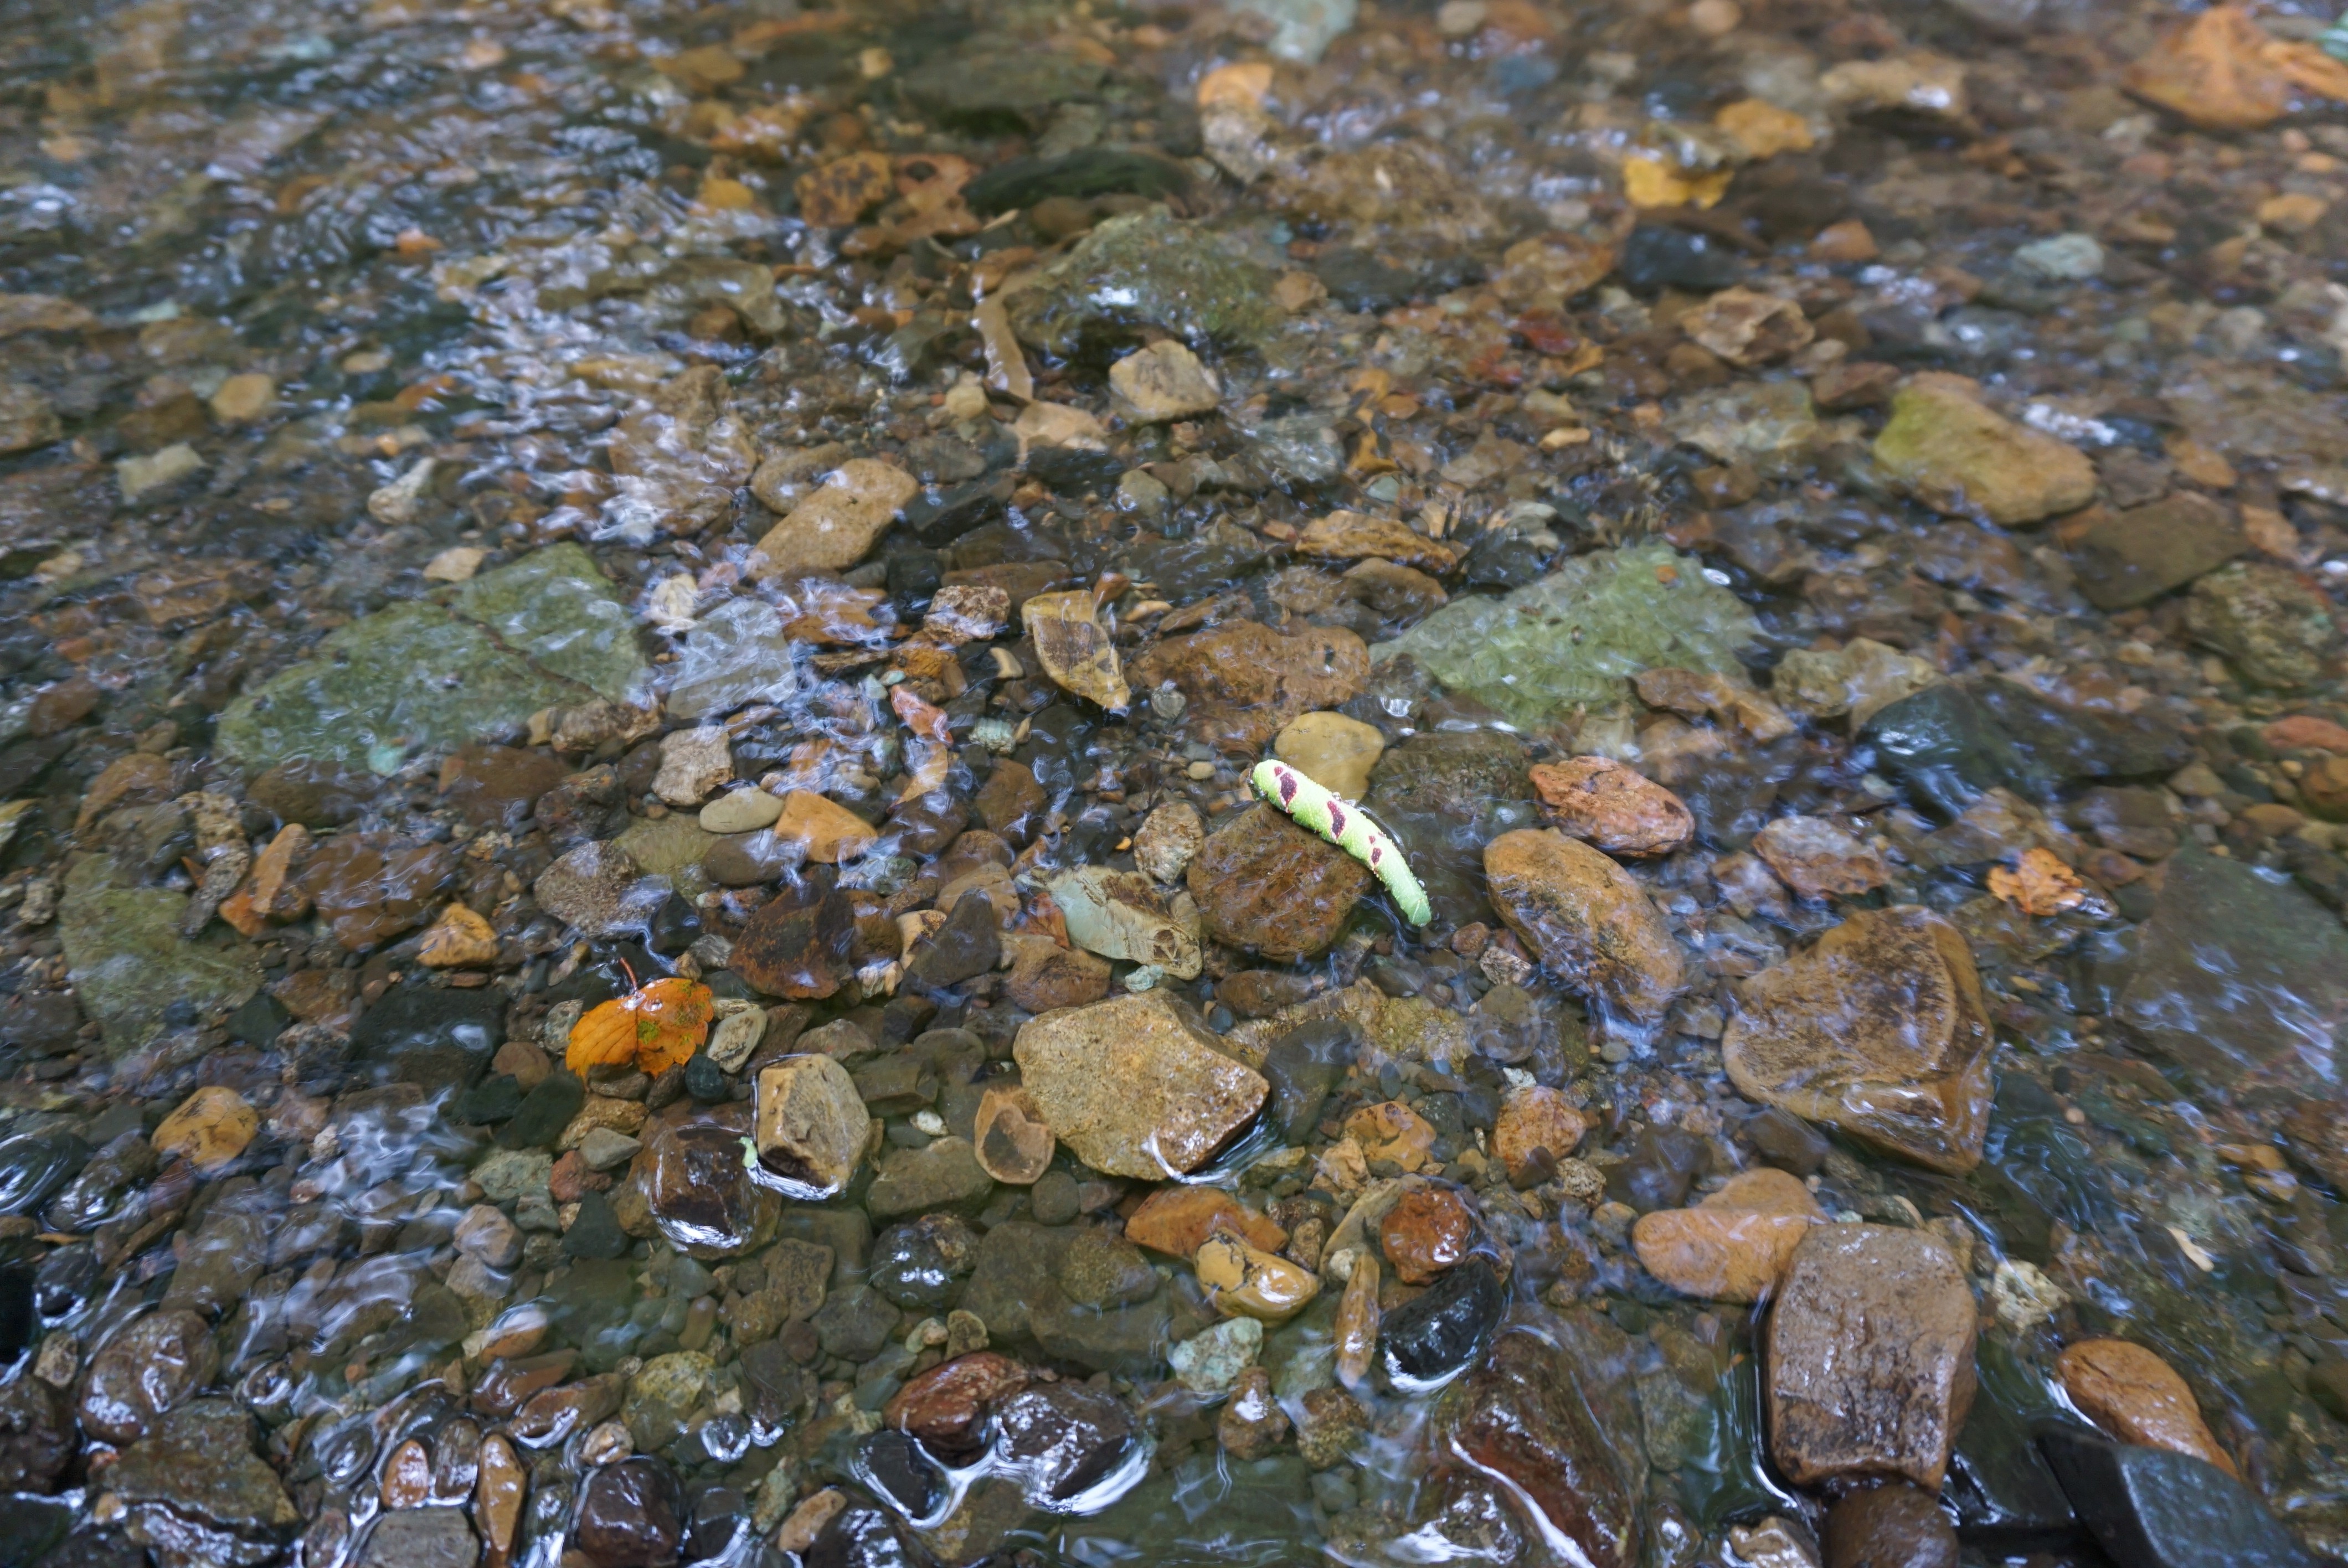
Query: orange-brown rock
[
  {"x": 1245, "y": 682},
  {"x": 946, "y": 1406},
  {"x": 1177, "y": 1221},
  {"x": 1735, "y": 1245},
  {"x": 1533, "y": 1119},
  {"x": 1393, "y": 1130},
  {"x": 1870, "y": 1362},
  {"x": 1816, "y": 857},
  {"x": 1428, "y": 1231},
  {"x": 1590, "y": 921},
  {"x": 2133, "y": 1394},
  {"x": 1879, "y": 1028},
  {"x": 1615, "y": 807}
]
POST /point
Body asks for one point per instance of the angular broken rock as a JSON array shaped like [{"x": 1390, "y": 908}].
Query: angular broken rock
[
  {"x": 1815, "y": 856},
  {"x": 1076, "y": 649},
  {"x": 1590, "y": 921},
  {"x": 1165, "y": 381},
  {"x": 834, "y": 525},
  {"x": 811, "y": 1127},
  {"x": 1617, "y": 808},
  {"x": 1121, "y": 915},
  {"x": 1879, "y": 1029},
  {"x": 1870, "y": 1356},
  {"x": 1134, "y": 1090},
  {"x": 1263, "y": 883},
  {"x": 1014, "y": 1143}
]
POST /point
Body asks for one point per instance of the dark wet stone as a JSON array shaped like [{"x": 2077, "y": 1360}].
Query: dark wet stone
[
  {"x": 854, "y": 1323},
  {"x": 2237, "y": 972},
  {"x": 1303, "y": 1066},
  {"x": 43, "y": 1023},
  {"x": 1945, "y": 746},
  {"x": 1657, "y": 257},
  {"x": 1266, "y": 884},
  {"x": 421, "y": 1538},
  {"x": 2079, "y": 743},
  {"x": 968, "y": 944},
  {"x": 943, "y": 514},
  {"x": 797, "y": 950},
  {"x": 1658, "y": 1170},
  {"x": 259, "y": 1021},
  {"x": 145, "y": 1371},
  {"x": 491, "y": 1101},
  {"x": 1783, "y": 1140},
  {"x": 317, "y": 795},
  {"x": 496, "y": 786},
  {"x": 1075, "y": 470},
  {"x": 1358, "y": 280},
  {"x": 674, "y": 926},
  {"x": 1061, "y": 1438},
  {"x": 2133, "y": 557},
  {"x": 33, "y": 1166},
  {"x": 861, "y": 1538},
  {"x": 1435, "y": 1335},
  {"x": 595, "y": 1232},
  {"x": 631, "y": 1515},
  {"x": 1056, "y": 1199},
  {"x": 945, "y": 1174},
  {"x": 34, "y": 1530},
  {"x": 37, "y": 1435},
  {"x": 434, "y": 1038},
  {"x": 706, "y": 1082},
  {"x": 195, "y": 1480},
  {"x": 544, "y": 1112},
  {"x": 699, "y": 1193},
  {"x": 1102, "y": 1269},
  {"x": 1444, "y": 795},
  {"x": 2003, "y": 1492},
  {"x": 900, "y": 1471},
  {"x": 1894, "y": 1525},
  {"x": 1503, "y": 561},
  {"x": 2151, "y": 1508},
  {"x": 920, "y": 1264},
  {"x": 1525, "y": 1418},
  {"x": 1088, "y": 172}
]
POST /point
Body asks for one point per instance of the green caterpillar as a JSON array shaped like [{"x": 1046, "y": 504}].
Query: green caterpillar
[{"x": 1347, "y": 826}]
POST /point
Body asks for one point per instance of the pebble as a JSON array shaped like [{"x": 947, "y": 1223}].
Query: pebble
[
  {"x": 1165, "y": 381},
  {"x": 1880, "y": 1029},
  {"x": 1603, "y": 803},
  {"x": 1893, "y": 1523},
  {"x": 2133, "y": 1394},
  {"x": 1735, "y": 1245},
  {"x": 1877, "y": 1319},
  {"x": 811, "y": 1125},
  {"x": 1012, "y": 1140},
  {"x": 1210, "y": 1363},
  {"x": 1428, "y": 1231},
  {"x": 1957, "y": 456},
  {"x": 1267, "y": 886},
  {"x": 1817, "y": 857},
  {"x": 1589, "y": 920},
  {"x": 1253, "y": 1423},
  {"x": 1333, "y": 750},
  {"x": 1241, "y": 1279},
  {"x": 1179, "y": 1220},
  {"x": 210, "y": 1128},
  {"x": 1538, "y": 1126},
  {"x": 1132, "y": 1088},
  {"x": 741, "y": 811},
  {"x": 832, "y": 527},
  {"x": 1169, "y": 836},
  {"x": 1440, "y": 1332}
]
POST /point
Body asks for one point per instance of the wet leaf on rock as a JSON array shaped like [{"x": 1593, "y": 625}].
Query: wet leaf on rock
[{"x": 656, "y": 1027}]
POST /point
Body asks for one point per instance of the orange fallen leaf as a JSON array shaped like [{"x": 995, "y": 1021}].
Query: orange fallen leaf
[
  {"x": 655, "y": 1027},
  {"x": 2039, "y": 884}
]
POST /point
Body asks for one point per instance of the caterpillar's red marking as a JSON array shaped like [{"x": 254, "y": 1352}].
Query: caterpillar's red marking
[
  {"x": 1337, "y": 819},
  {"x": 1377, "y": 852},
  {"x": 1287, "y": 787}
]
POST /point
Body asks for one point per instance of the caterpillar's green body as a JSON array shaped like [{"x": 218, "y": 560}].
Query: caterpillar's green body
[{"x": 1347, "y": 826}]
